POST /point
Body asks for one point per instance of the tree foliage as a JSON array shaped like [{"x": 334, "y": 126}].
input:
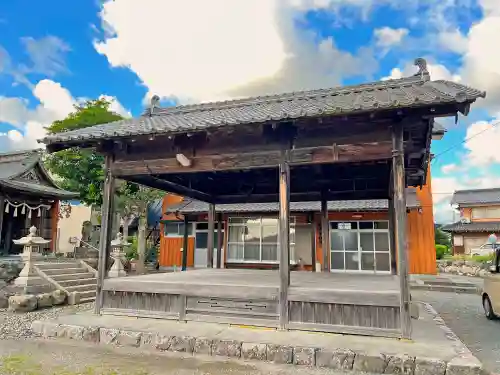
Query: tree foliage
[
  {"x": 81, "y": 170},
  {"x": 442, "y": 237}
]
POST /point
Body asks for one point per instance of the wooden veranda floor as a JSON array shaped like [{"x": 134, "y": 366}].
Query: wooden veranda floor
[{"x": 349, "y": 303}]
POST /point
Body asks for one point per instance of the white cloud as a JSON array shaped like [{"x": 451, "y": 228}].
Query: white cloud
[
  {"x": 224, "y": 49},
  {"x": 448, "y": 168},
  {"x": 387, "y": 37},
  {"x": 56, "y": 102},
  {"x": 47, "y": 55},
  {"x": 54, "y": 97},
  {"x": 482, "y": 143},
  {"x": 115, "y": 106},
  {"x": 453, "y": 40}
]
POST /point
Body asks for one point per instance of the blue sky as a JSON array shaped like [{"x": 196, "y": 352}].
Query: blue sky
[{"x": 58, "y": 54}]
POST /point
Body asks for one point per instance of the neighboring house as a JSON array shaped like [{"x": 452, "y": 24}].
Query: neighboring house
[
  {"x": 359, "y": 232},
  {"x": 479, "y": 217},
  {"x": 28, "y": 197}
]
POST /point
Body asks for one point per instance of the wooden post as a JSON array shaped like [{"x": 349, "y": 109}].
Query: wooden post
[
  {"x": 392, "y": 236},
  {"x": 185, "y": 244},
  {"x": 284, "y": 238},
  {"x": 2, "y": 208},
  {"x": 399, "y": 198},
  {"x": 313, "y": 241},
  {"x": 106, "y": 223},
  {"x": 210, "y": 239},
  {"x": 325, "y": 235},
  {"x": 220, "y": 241}
]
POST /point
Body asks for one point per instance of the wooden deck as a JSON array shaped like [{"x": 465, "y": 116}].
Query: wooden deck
[{"x": 344, "y": 303}]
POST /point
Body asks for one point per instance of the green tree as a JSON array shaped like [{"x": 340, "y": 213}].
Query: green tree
[
  {"x": 442, "y": 237},
  {"x": 81, "y": 170}
]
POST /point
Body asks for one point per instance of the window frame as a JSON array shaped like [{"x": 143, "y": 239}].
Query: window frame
[
  {"x": 180, "y": 233},
  {"x": 359, "y": 251},
  {"x": 261, "y": 242}
]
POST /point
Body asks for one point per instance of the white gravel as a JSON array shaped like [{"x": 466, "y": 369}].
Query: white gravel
[{"x": 18, "y": 325}]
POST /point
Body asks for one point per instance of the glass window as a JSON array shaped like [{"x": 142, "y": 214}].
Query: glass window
[
  {"x": 256, "y": 239},
  {"x": 360, "y": 246},
  {"x": 176, "y": 229}
]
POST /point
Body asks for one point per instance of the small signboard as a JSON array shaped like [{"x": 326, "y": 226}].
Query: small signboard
[{"x": 344, "y": 226}]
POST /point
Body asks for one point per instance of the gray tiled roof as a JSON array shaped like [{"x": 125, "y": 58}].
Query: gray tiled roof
[
  {"x": 485, "y": 226},
  {"x": 195, "y": 206},
  {"x": 15, "y": 164},
  {"x": 415, "y": 91},
  {"x": 477, "y": 196}
]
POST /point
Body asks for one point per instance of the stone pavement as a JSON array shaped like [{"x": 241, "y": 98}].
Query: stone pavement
[{"x": 434, "y": 349}]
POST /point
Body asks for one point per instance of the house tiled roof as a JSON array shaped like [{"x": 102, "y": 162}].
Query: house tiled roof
[
  {"x": 485, "y": 226},
  {"x": 189, "y": 206},
  {"x": 415, "y": 91},
  {"x": 477, "y": 196},
  {"x": 23, "y": 171}
]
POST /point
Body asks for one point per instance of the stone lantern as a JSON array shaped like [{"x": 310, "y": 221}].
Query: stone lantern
[
  {"x": 28, "y": 278},
  {"x": 118, "y": 255}
]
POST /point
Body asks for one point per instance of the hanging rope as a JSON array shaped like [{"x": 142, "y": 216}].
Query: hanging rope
[{"x": 24, "y": 207}]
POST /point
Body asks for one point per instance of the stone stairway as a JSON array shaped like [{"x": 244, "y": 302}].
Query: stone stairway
[{"x": 76, "y": 279}]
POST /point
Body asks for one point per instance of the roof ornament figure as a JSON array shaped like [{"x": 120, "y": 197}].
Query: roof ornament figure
[
  {"x": 155, "y": 101},
  {"x": 421, "y": 63}
]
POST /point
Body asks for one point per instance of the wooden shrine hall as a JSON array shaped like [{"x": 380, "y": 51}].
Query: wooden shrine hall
[{"x": 369, "y": 141}]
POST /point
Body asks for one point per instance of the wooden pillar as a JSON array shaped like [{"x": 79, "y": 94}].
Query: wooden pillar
[
  {"x": 210, "y": 239},
  {"x": 284, "y": 238},
  {"x": 313, "y": 241},
  {"x": 220, "y": 241},
  {"x": 185, "y": 244},
  {"x": 105, "y": 235},
  {"x": 399, "y": 198},
  {"x": 392, "y": 236},
  {"x": 325, "y": 235},
  {"x": 2, "y": 213}
]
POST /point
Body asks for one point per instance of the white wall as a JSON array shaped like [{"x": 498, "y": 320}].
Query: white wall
[{"x": 71, "y": 227}]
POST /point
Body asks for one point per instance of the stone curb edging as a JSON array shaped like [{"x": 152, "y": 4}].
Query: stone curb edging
[
  {"x": 337, "y": 359},
  {"x": 472, "y": 289}
]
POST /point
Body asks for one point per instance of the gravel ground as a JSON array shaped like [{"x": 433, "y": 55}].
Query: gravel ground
[
  {"x": 463, "y": 313},
  {"x": 18, "y": 325}
]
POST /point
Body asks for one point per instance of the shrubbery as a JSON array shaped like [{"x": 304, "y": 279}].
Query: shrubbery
[{"x": 441, "y": 251}]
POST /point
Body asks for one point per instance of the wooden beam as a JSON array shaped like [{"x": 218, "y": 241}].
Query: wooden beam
[
  {"x": 325, "y": 235},
  {"x": 284, "y": 238},
  {"x": 104, "y": 245},
  {"x": 171, "y": 187},
  {"x": 304, "y": 197},
  {"x": 185, "y": 244},
  {"x": 399, "y": 200},
  {"x": 257, "y": 159},
  {"x": 210, "y": 237}
]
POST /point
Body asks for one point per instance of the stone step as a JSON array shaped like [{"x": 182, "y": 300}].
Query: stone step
[
  {"x": 86, "y": 300},
  {"x": 81, "y": 288},
  {"x": 73, "y": 276},
  {"x": 63, "y": 271},
  {"x": 448, "y": 283},
  {"x": 58, "y": 265},
  {"x": 87, "y": 294},
  {"x": 86, "y": 281}
]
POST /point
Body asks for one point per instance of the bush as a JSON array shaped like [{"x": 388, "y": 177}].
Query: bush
[
  {"x": 483, "y": 258},
  {"x": 441, "y": 250},
  {"x": 132, "y": 250}
]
